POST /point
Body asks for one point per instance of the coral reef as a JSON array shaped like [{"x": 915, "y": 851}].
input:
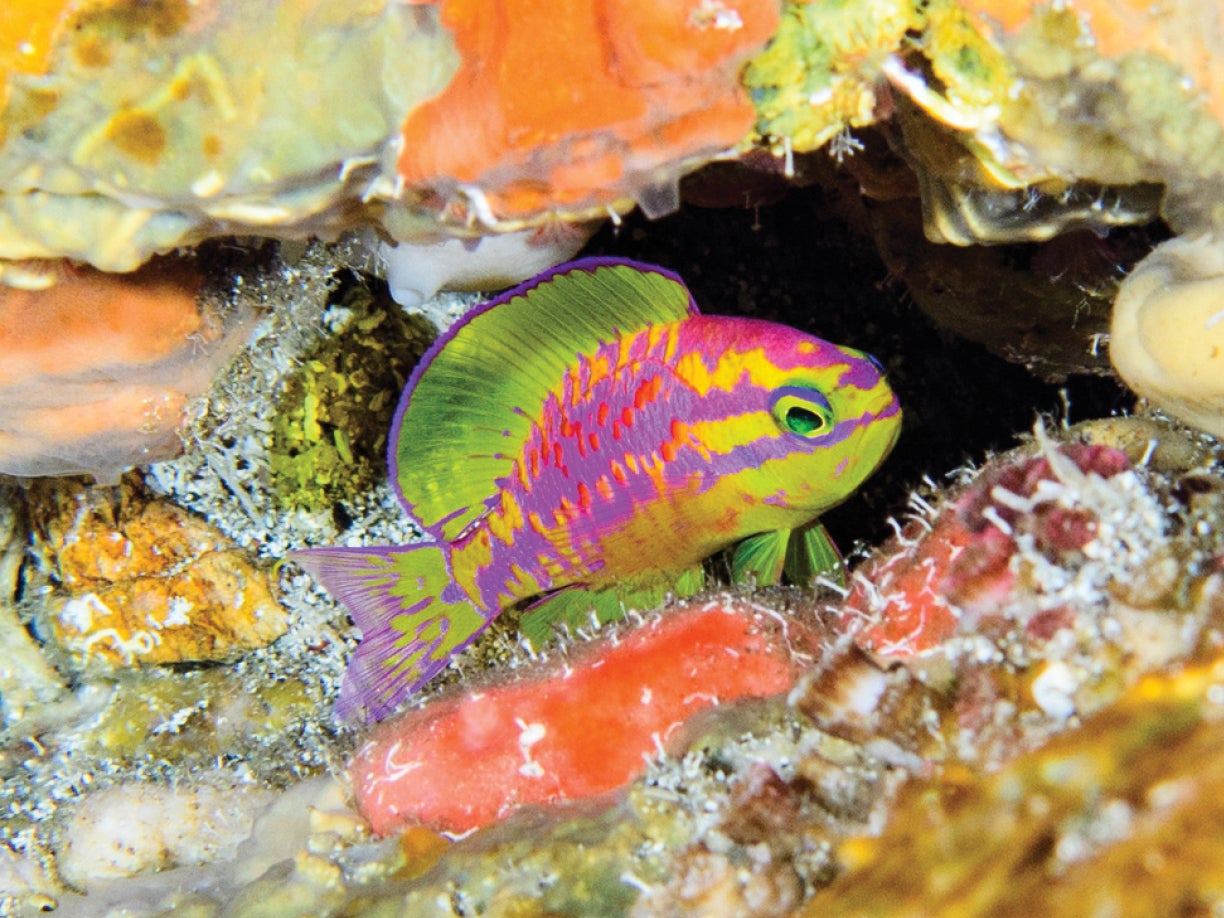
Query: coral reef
[
  {"x": 263, "y": 720},
  {"x": 756, "y": 806},
  {"x": 1012, "y": 526},
  {"x": 779, "y": 801},
  {"x": 130, "y": 131},
  {"x": 1051, "y": 734},
  {"x": 112, "y": 115},
  {"x": 1022, "y": 124},
  {"x": 1033, "y": 599},
  {"x": 1116, "y": 817},
  {"x": 1017, "y": 701},
  {"x": 133, "y": 130}
]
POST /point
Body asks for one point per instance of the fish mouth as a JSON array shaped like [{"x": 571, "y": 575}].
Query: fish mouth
[
  {"x": 877, "y": 434},
  {"x": 891, "y": 416},
  {"x": 888, "y": 421}
]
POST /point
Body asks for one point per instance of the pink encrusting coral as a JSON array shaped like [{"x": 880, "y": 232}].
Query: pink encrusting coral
[
  {"x": 950, "y": 573},
  {"x": 1055, "y": 578},
  {"x": 576, "y": 727}
]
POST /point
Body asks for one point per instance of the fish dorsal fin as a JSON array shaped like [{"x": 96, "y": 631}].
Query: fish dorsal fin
[{"x": 468, "y": 408}]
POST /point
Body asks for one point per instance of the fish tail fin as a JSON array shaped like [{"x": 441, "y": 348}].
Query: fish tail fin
[{"x": 412, "y": 616}]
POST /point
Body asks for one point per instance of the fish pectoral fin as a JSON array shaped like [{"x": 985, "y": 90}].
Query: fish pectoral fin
[
  {"x": 581, "y": 607},
  {"x": 802, "y": 554}
]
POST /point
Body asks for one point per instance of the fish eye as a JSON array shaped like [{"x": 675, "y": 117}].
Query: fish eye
[
  {"x": 802, "y": 420},
  {"x": 802, "y": 411}
]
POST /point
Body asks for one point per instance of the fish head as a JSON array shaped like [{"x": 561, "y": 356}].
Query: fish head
[
  {"x": 841, "y": 419},
  {"x": 800, "y": 422},
  {"x": 836, "y": 418}
]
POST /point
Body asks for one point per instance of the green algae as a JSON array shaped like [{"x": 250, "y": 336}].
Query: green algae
[
  {"x": 822, "y": 72},
  {"x": 177, "y": 718},
  {"x": 331, "y": 424},
  {"x": 816, "y": 76}
]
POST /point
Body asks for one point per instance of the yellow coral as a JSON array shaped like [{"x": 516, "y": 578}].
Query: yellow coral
[{"x": 1167, "y": 337}]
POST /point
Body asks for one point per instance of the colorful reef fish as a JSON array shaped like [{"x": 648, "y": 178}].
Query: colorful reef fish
[{"x": 586, "y": 440}]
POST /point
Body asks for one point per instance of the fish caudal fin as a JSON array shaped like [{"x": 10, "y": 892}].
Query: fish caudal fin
[{"x": 412, "y": 617}]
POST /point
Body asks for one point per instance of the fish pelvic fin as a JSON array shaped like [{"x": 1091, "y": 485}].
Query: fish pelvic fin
[
  {"x": 802, "y": 554},
  {"x": 413, "y": 620}
]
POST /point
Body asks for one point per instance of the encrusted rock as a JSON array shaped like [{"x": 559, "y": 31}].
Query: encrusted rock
[
  {"x": 26, "y": 678},
  {"x": 100, "y": 371},
  {"x": 140, "y": 580},
  {"x": 139, "y": 827}
]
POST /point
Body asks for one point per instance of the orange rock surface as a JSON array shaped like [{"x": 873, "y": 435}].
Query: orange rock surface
[
  {"x": 91, "y": 320},
  {"x": 98, "y": 369}
]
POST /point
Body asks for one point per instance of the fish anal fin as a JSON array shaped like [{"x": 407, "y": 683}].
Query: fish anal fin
[{"x": 574, "y": 607}]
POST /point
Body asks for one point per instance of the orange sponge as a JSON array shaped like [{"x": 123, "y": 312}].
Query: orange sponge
[{"x": 577, "y": 105}]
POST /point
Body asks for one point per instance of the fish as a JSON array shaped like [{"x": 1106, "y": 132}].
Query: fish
[{"x": 578, "y": 446}]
